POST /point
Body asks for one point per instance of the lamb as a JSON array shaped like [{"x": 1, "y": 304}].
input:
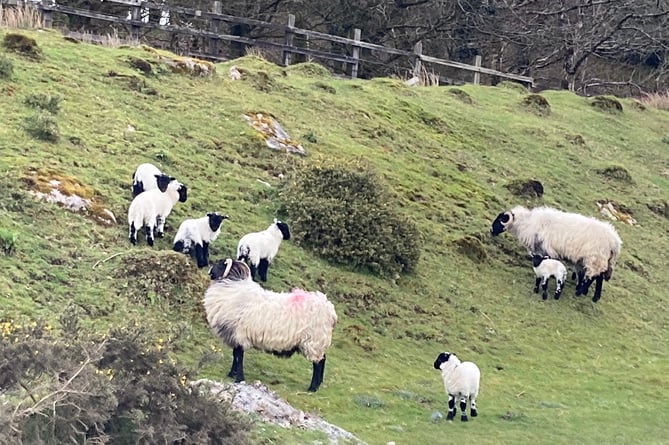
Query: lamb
[
  {"x": 544, "y": 268},
  {"x": 461, "y": 379},
  {"x": 199, "y": 233},
  {"x": 150, "y": 209},
  {"x": 245, "y": 315},
  {"x": 148, "y": 177},
  {"x": 584, "y": 241},
  {"x": 259, "y": 248}
]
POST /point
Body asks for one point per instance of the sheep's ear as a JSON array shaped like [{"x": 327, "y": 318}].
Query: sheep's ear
[
  {"x": 275, "y": 221},
  {"x": 505, "y": 217}
]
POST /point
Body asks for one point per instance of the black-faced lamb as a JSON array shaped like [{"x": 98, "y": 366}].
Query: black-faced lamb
[
  {"x": 196, "y": 234},
  {"x": 151, "y": 208},
  {"x": 545, "y": 268},
  {"x": 585, "y": 241},
  {"x": 259, "y": 248},
  {"x": 148, "y": 177},
  {"x": 461, "y": 380},
  {"x": 244, "y": 315}
]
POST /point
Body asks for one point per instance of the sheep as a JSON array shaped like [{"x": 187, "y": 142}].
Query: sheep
[
  {"x": 586, "y": 242},
  {"x": 244, "y": 315},
  {"x": 150, "y": 209},
  {"x": 198, "y": 232},
  {"x": 147, "y": 177},
  {"x": 461, "y": 379},
  {"x": 544, "y": 268},
  {"x": 259, "y": 248}
]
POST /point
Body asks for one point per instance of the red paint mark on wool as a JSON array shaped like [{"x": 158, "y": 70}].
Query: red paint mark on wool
[{"x": 297, "y": 296}]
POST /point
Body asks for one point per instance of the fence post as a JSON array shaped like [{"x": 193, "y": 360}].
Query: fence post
[
  {"x": 47, "y": 14},
  {"x": 418, "y": 62},
  {"x": 477, "y": 75},
  {"x": 289, "y": 40},
  {"x": 356, "y": 53},
  {"x": 214, "y": 26},
  {"x": 135, "y": 16}
]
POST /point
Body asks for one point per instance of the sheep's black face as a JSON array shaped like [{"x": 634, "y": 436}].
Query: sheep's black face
[
  {"x": 163, "y": 180},
  {"x": 537, "y": 259},
  {"x": 183, "y": 193},
  {"x": 215, "y": 220},
  {"x": 500, "y": 223},
  {"x": 441, "y": 358},
  {"x": 216, "y": 271},
  {"x": 285, "y": 231}
]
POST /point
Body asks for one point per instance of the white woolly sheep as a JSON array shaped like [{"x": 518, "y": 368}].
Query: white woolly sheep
[
  {"x": 461, "y": 379},
  {"x": 585, "y": 241},
  {"x": 150, "y": 209},
  {"x": 544, "y": 268},
  {"x": 244, "y": 315},
  {"x": 148, "y": 177},
  {"x": 198, "y": 233},
  {"x": 259, "y": 248}
]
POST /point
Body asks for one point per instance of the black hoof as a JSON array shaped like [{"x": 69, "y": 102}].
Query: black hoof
[
  {"x": 450, "y": 416},
  {"x": 474, "y": 413},
  {"x": 463, "y": 418}
]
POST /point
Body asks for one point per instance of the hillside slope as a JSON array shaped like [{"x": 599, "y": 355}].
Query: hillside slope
[{"x": 559, "y": 372}]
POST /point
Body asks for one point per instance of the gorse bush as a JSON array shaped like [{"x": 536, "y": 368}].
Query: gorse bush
[
  {"x": 43, "y": 126},
  {"x": 345, "y": 214},
  {"x": 120, "y": 388},
  {"x": 44, "y": 101}
]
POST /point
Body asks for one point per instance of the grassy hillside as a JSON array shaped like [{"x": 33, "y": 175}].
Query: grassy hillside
[{"x": 559, "y": 372}]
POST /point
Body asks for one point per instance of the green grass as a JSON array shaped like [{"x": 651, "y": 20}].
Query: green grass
[{"x": 552, "y": 372}]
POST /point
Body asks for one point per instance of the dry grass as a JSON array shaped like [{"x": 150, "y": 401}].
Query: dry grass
[
  {"x": 421, "y": 77},
  {"x": 107, "y": 40},
  {"x": 656, "y": 100},
  {"x": 20, "y": 17}
]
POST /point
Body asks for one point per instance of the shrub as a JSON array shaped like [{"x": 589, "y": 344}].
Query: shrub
[
  {"x": 119, "y": 388},
  {"x": 6, "y": 67},
  {"x": 43, "y": 126},
  {"x": 345, "y": 215},
  {"x": 43, "y": 101},
  {"x": 609, "y": 105},
  {"x": 8, "y": 240}
]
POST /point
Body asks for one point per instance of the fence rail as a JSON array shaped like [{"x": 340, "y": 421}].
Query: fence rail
[{"x": 136, "y": 22}]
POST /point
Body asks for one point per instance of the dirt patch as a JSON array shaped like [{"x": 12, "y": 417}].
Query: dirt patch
[
  {"x": 616, "y": 173},
  {"x": 526, "y": 187},
  {"x": 607, "y": 104},
  {"x": 325, "y": 87},
  {"x": 537, "y": 104},
  {"x": 660, "y": 207},
  {"x": 23, "y": 45},
  {"x": 471, "y": 247},
  {"x": 183, "y": 65},
  {"x": 461, "y": 95},
  {"x": 140, "y": 64},
  {"x": 575, "y": 139}
]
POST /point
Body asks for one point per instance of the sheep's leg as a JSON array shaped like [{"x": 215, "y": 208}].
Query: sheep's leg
[
  {"x": 133, "y": 234},
  {"x": 463, "y": 408},
  {"x": 537, "y": 282},
  {"x": 237, "y": 369},
  {"x": 149, "y": 234},
  {"x": 451, "y": 407},
  {"x": 582, "y": 289},
  {"x": 262, "y": 269},
  {"x": 253, "y": 270},
  {"x": 205, "y": 253},
  {"x": 544, "y": 288},
  {"x": 472, "y": 406},
  {"x": 558, "y": 289},
  {"x": 317, "y": 375},
  {"x": 598, "y": 288},
  {"x": 160, "y": 226},
  {"x": 199, "y": 256}
]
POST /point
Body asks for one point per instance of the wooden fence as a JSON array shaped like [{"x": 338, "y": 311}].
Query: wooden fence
[{"x": 137, "y": 20}]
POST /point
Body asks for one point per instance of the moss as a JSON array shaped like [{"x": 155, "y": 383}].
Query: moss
[
  {"x": 526, "y": 187},
  {"x": 308, "y": 69},
  {"x": 42, "y": 180},
  {"x": 607, "y": 104},
  {"x": 23, "y": 45},
  {"x": 537, "y": 104}
]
